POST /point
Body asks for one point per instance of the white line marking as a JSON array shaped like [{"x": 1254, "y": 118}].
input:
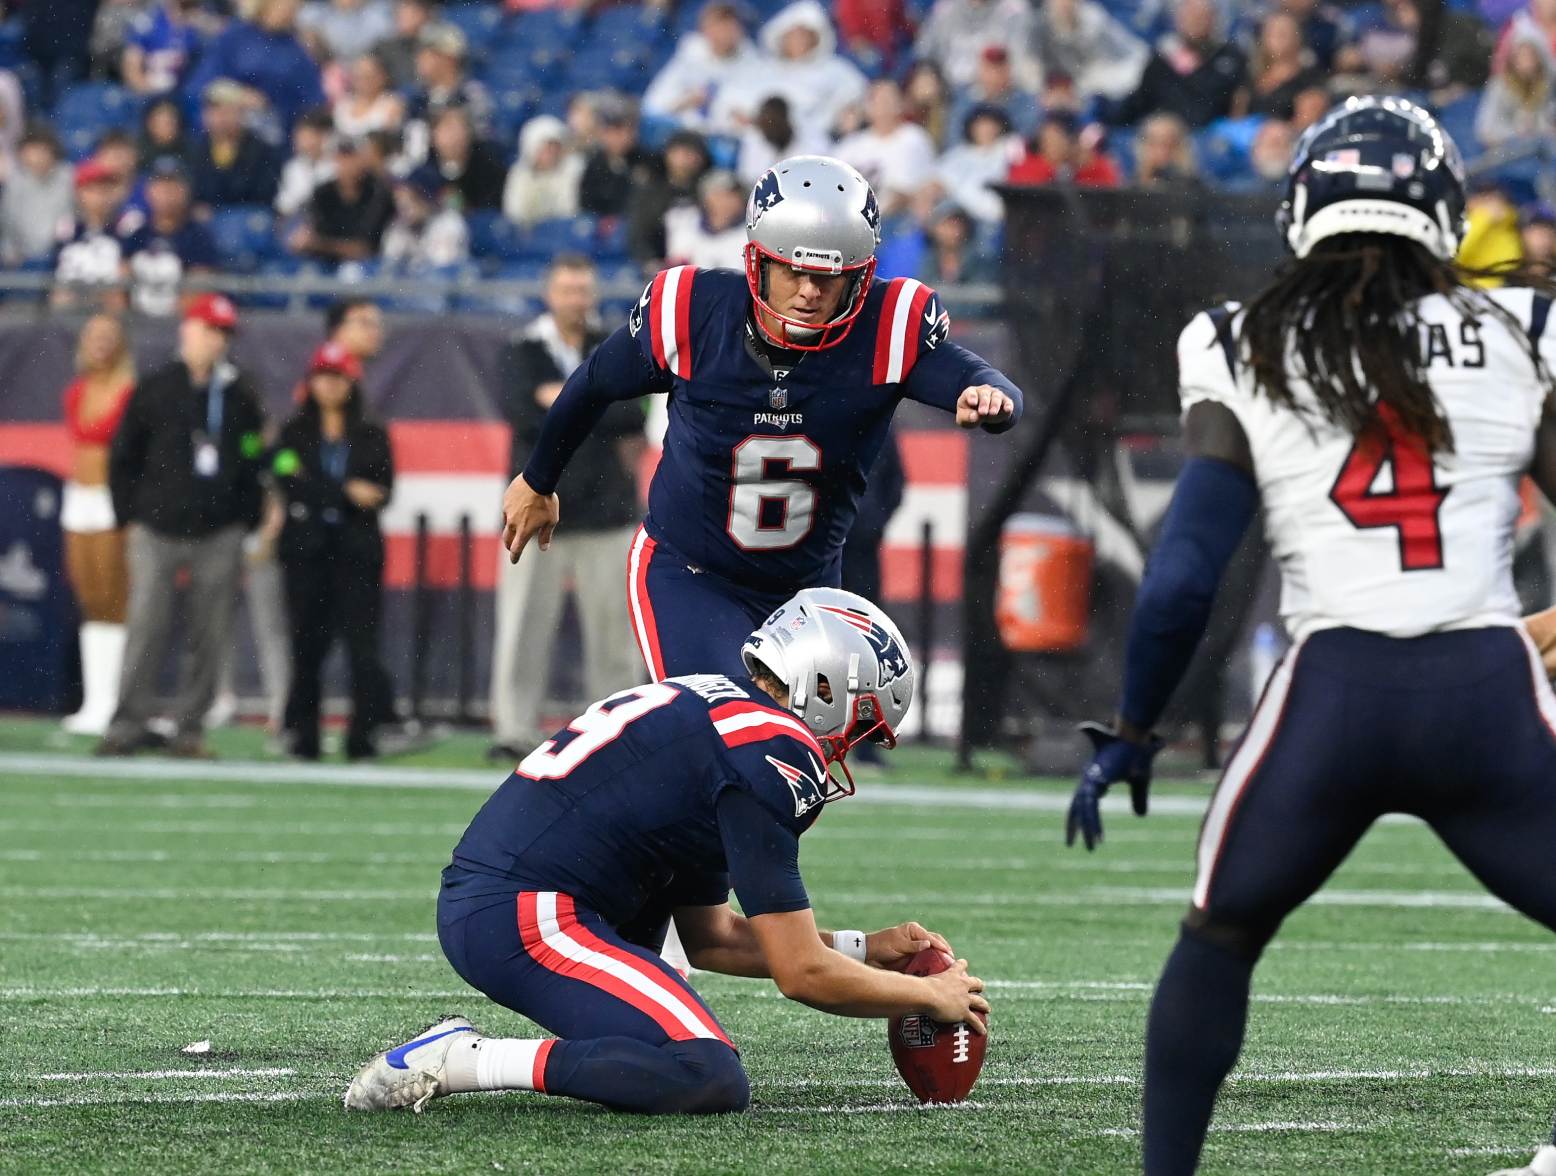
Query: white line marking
[
  {"x": 225, "y": 1096},
  {"x": 227, "y": 894},
  {"x": 155, "y": 938},
  {"x": 243, "y": 857},
  {"x": 29, "y": 992},
  {"x": 1238, "y": 1128},
  {"x": 161, "y": 1075},
  {"x": 1236, "y": 1076}
]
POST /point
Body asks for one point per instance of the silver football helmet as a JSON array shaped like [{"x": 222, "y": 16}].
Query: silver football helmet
[
  {"x": 848, "y": 671},
  {"x": 812, "y": 212}
]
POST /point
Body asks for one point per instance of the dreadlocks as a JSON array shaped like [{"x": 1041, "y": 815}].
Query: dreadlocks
[{"x": 1346, "y": 313}]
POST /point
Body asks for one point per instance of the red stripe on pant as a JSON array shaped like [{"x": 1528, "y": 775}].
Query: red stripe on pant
[
  {"x": 644, "y": 626},
  {"x": 554, "y": 961},
  {"x": 538, "y": 1075}
]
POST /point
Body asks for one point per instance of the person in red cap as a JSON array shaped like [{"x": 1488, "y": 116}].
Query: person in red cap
[
  {"x": 89, "y": 254},
  {"x": 334, "y": 468},
  {"x": 183, "y": 471}
]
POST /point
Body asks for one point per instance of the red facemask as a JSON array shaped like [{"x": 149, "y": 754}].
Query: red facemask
[
  {"x": 866, "y": 724},
  {"x": 794, "y": 334}
]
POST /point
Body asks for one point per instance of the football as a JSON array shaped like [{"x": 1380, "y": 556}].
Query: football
[{"x": 939, "y": 1062}]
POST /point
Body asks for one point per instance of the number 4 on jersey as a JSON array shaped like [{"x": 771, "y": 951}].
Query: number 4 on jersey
[{"x": 1412, "y": 500}]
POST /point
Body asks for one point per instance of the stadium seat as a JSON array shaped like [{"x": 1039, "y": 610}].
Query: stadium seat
[
  {"x": 245, "y": 236},
  {"x": 486, "y": 231},
  {"x": 1458, "y": 119},
  {"x": 86, "y": 110},
  {"x": 480, "y": 24},
  {"x": 610, "y": 239},
  {"x": 628, "y": 25},
  {"x": 547, "y": 28}
]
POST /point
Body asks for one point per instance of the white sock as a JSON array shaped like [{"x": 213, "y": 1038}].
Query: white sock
[
  {"x": 1544, "y": 1162},
  {"x": 497, "y": 1063}
]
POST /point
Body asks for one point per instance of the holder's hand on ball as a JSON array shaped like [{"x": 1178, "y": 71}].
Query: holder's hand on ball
[
  {"x": 894, "y": 945},
  {"x": 525, "y": 515}
]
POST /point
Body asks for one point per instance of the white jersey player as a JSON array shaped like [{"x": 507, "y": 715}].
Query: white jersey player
[{"x": 1383, "y": 412}]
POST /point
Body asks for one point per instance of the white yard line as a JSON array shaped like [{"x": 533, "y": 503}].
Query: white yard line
[
  {"x": 162, "y": 1075},
  {"x": 40, "y": 992},
  {"x": 1238, "y": 1128},
  {"x": 242, "y": 857},
  {"x": 188, "y": 937},
  {"x": 224, "y": 1096},
  {"x": 1256, "y": 1076}
]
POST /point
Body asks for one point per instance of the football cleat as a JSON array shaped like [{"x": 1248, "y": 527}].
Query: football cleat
[{"x": 408, "y": 1075}]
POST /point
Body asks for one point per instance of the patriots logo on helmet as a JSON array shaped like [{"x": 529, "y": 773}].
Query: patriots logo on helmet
[
  {"x": 872, "y": 211},
  {"x": 892, "y": 657},
  {"x": 807, "y": 791},
  {"x": 766, "y": 194}
]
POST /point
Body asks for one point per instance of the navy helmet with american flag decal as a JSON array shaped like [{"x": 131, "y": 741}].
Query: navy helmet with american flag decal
[{"x": 847, "y": 669}]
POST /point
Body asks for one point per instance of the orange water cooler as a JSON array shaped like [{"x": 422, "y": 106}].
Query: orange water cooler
[{"x": 1044, "y": 599}]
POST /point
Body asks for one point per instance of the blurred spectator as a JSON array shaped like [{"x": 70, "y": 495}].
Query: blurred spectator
[
  {"x": 162, "y": 45},
  {"x": 1083, "y": 41},
  {"x": 1448, "y": 54},
  {"x": 580, "y": 120},
  {"x": 369, "y": 104},
  {"x": 617, "y": 166},
  {"x": 543, "y": 182},
  {"x": 427, "y": 232},
  {"x": 1164, "y": 154},
  {"x": 162, "y": 132},
  {"x": 983, "y": 158},
  {"x": 117, "y": 151},
  {"x": 442, "y": 83},
  {"x": 873, "y": 31},
  {"x": 471, "y": 167},
  {"x": 356, "y": 324},
  {"x": 232, "y": 165},
  {"x": 347, "y": 216},
  {"x": 38, "y": 202},
  {"x": 89, "y": 252},
  {"x": 169, "y": 245},
  {"x": 928, "y": 101},
  {"x": 1269, "y": 155},
  {"x": 956, "y": 32},
  {"x": 1279, "y": 69},
  {"x": 712, "y": 233},
  {"x": 349, "y": 28},
  {"x": 110, "y": 32},
  {"x": 944, "y": 252},
  {"x": 1538, "y": 234},
  {"x": 335, "y": 468},
  {"x": 1308, "y": 107},
  {"x": 800, "y": 64},
  {"x": 1518, "y": 102},
  {"x": 897, "y": 157},
  {"x": 265, "y": 57},
  {"x": 310, "y": 165},
  {"x": 13, "y": 121},
  {"x": 94, "y": 538},
  {"x": 773, "y": 136},
  {"x": 56, "y": 39},
  {"x": 184, "y": 473},
  {"x": 1193, "y": 73},
  {"x": 684, "y": 160},
  {"x": 1321, "y": 28},
  {"x": 600, "y": 482},
  {"x": 995, "y": 85},
  {"x": 1535, "y": 22},
  {"x": 1491, "y": 234},
  {"x": 398, "y": 50},
  {"x": 717, "y": 53},
  {"x": 1063, "y": 153}
]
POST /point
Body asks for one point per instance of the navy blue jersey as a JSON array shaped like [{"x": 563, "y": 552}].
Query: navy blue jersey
[
  {"x": 767, "y": 452},
  {"x": 661, "y": 796}
]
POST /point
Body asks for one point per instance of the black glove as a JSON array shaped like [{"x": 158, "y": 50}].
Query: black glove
[{"x": 1113, "y": 759}]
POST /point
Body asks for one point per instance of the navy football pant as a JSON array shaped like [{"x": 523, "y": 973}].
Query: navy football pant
[
  {"x": 689, "y": 622},
  {"x": 633, "y": 1035},
  {"x": 1458, "y": 729}
]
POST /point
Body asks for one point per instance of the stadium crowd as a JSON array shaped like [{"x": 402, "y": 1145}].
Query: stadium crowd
[{"x": 142, "y": 140}]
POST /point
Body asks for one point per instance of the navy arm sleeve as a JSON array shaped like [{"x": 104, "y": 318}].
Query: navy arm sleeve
[
  {"x": 616, "y": 371},
  {"x": 763, "y": 855},
  {"x": 944, "y": 371},
  {"x": 1211, "y": 508}
]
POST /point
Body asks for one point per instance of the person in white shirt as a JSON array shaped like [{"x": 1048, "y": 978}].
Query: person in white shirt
[
  {"x": 712, "y": 235},
  {"x": 311, "y": 164},
  {"x": 371, "y": 104},
  {"x": 956, "y": 32},
  {"x": 543, "y": 182},
  {"x": 426, "y": 232},
  {"x": 800, "y": 64},
  {"x": 983, "y": 158},
  {"x": 717, "y": 53},
  {"x": 348, "y": 28},
  {"x": 896, "y": 156}
]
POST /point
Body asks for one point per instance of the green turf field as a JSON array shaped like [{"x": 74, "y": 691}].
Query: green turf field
[{"x": 1402, "y": 1026}]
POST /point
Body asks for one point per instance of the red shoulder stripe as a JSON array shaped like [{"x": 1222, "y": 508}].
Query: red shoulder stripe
[{"x": 656, "y": 301}]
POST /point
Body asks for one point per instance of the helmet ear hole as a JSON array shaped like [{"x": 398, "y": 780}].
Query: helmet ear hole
[{"x": 823, "y": 688}]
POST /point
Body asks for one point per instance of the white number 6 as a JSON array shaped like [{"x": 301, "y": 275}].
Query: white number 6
[{"x": 755, "y": 496}]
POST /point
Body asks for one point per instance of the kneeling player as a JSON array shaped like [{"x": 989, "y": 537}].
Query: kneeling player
[{"x": 655, "y": 802}]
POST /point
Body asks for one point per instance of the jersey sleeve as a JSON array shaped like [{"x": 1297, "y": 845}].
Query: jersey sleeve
[
  {"x": 661, "y": 321},
  {"x": 616, "y": 371},
  {"x": 763, "y": 852},
  {"x": 1207, "y": 359},
  {"x": 913, "y": 348}
]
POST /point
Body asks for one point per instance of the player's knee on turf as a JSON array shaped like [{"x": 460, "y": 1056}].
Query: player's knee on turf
[
  {"x": 717, "y": 1082},
  {"x": 1243, "y": 938}
]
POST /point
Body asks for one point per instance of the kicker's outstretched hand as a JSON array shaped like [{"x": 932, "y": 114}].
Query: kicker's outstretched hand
[
  {"x": 983, "y": 404},
  {"x": 525, "y": 515}
]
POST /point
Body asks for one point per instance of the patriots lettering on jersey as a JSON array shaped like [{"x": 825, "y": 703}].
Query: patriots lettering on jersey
[
  {"x": 778, "y": 420},
  {"x": 807, "y": 791}
]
